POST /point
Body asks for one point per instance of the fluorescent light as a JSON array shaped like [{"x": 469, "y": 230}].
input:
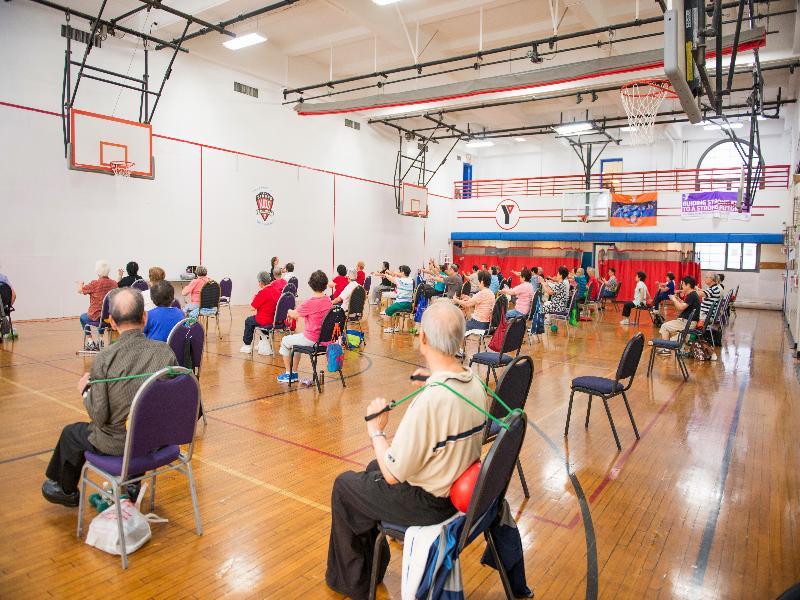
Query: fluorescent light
[
  {"x": 384, "y": 2},
  {"x": 243, "y": 41},
  {"x": 717, "y": 126},
  {"x": 574, "y": 128},
  {"x": 520, "y": 139},
  {"x": 629, "y": 128},
  {"x": 480, "y": 144}
]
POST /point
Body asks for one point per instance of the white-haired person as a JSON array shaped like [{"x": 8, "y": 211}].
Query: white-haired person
[
  {"x": 344, "y": 297},
  {"x": 191, "y": 293},
  {"x": 408, "y": 483},
  {"x": 712, "y": 292},
  {"x": 96, "y": 290}
]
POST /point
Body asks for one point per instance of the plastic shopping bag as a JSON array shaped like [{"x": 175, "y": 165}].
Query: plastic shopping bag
[{"x": 104, "y": 532}]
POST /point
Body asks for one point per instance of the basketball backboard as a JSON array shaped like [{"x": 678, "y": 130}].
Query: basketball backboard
[
  {"x": 414, "y": 200},
  {"x": 681, "y": 25},
  {"x": 587, "y": 206},
  {"x": 99, "y": 140}
]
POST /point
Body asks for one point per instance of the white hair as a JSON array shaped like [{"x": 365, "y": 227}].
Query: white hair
[
  {"x": 102, "y": 268},
  {"x": 351, "y": 274},
  {"x": 443, "y": 324}
]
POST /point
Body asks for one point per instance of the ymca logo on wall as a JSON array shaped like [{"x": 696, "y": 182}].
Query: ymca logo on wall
[
  {"x": 507, "y": 214},
  {"x": 265, "y": 206}
]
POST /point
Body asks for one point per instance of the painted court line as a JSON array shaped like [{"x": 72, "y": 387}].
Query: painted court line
[
  {"x": 263, "y": 484},
  {"x": 43, "y": 395}
]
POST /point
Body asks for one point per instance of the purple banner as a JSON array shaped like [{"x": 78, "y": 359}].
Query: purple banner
[{"x": 700, "y": 205}]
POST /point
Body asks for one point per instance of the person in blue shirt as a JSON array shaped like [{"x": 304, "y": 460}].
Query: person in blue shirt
[
  {"x": 162, "y": 318},
  {"x": 438, "y": 273},
  {"x": 580, "y": 280},
  {"x": 494, "y": 286},
  {"x": 665, "y": 290}
]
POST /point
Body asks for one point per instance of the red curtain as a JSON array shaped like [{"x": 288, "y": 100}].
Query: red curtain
[
  {"x": 656, "y": 270},
  {"x": 515, "y": 263}
]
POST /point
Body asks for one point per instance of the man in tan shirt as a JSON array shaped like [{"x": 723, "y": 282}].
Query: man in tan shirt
[
  {"x": 107, "y": 404},
  {"x": 438, "y": 438}
]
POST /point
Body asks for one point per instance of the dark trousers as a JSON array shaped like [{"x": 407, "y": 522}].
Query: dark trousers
[
  {"x": 660, "y": 297},
  {"x": 627, "y": 308},
  {"x": 359, "y": 501},
  {"x": 67, "y": 460},
  {"x": 250, "y": 325}
]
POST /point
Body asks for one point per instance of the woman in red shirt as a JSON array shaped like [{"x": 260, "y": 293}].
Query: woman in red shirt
[
  {"x": 361, "y": 275},
  {"x": 96, "y": 290},
  {"x": 339, "y": 282}
]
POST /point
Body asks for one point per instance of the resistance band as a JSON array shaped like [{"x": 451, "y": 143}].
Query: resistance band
[
  {"x": 169, "y": 372},
  {"x": 500, "y": 422}
]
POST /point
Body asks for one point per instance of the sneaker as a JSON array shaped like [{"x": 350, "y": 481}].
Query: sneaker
[
  {"x": 388, "y": 330},
  {"x": 265, "y": 349},
  {"x": 663, "y": 352},
  {"x": 460, "y": 354},
  {"x": 624, "y": 322},
  {"x": 714, "y": 356},
  {"x": 287, "y": 378},
  {"x": 383, "y": 313},
  {"x": 246, "y": 349}
]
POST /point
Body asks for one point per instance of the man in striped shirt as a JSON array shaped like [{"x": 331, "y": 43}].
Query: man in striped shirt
[
  {"x": 712, "y": 292},
  {"x": 409, "y": 483}
]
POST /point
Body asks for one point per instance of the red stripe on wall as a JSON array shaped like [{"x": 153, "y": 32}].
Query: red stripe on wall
[{"x": 201, "y": 206}]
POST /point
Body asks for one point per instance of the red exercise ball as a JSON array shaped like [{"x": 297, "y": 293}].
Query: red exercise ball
[{"x": 461, "y": 490}]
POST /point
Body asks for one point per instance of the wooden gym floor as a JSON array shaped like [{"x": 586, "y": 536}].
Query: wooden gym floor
[{"x": 705, "y": 505}]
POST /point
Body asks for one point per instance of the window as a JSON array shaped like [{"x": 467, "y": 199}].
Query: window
[{"x": 728, "y": 257}]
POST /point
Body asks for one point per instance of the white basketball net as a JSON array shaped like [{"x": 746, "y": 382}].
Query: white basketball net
[
  {"x": 641, "y": 100},
  {"x": 121, "y": 168}
]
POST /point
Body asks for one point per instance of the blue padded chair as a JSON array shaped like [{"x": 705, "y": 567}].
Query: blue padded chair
[
  {"x": 488, "y": 494},
  {"x": 609, "y": 388},
  {"x": 512, "y": 343},
  {"x": 673, "y": 346},
  {"x": 162, "y": 419}
]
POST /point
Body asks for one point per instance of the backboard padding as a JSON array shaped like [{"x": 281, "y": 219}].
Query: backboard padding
[{"x": 96, "y": 140}]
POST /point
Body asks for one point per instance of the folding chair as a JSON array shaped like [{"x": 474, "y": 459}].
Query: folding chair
[
  {"x": 593, "y": 301},
  {"x": 285, "y": 303},
  {"x": 100, "y": 326},
  {"x": 405, "y": 314},
  {"x": 573, "y": 301},
  {"x": 335, "y": 316},
  {"x": 162, "y": 418},
  {"x": 225, "y": 289},
  {"x": 141, "y": 285},
  {"x": 513, "y": 389},
  {"x": 466, "y": 289},
  {"x": 6, "y": 324},
  {"x": 673, "y": 346},
  {"x": 487, "y": 497},
  {"x": 613, "y": 298},
  {"x": 293, "y": 281},
  {"x": 209, "y": 304},
  {"x": 355, "y": 308},
  {"x": 512, "y": 342},
  {"x": 290, "y": 288},
  {"x": 536, "y": 314},
  {"x": 609, "y": 388},
  {"x": 713, "y": 323},
  {"x": 186, "y": 340}
]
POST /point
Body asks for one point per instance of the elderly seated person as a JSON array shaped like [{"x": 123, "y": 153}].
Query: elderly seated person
[
  {"x": 288, "y": 271},
  {"x": 482, "y": 304},
  {"x": 524, "y": 295},
  {"x": 265, "y": 302},
  {"x": 665, "y": 290},
  {"x": 107, "y": 403},
  {"x": 313, "y": 311},
  {"x": 712, "y": 292},
  {"x": 132, "y": 268},
  {"x": 191, "y": 292},
  {"x": 154, "y": 274},
  {"x": 96, "y": 290},
  {"x": 409, "y": 481},
  {"x": 405, "y": 293},
  {"x": 7, "y": 281},
  {"x": 451, "y": 280},
  {"x": 162, "y": 318},
  {"x": 689, "y": 309},
  {"x": 558, "y": 290},
  {"x": 378, "y": 288},
  {"x": 344, "y": 297}
]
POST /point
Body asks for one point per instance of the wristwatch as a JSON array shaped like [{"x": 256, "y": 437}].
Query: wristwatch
[{"x": 377, "y": 434}]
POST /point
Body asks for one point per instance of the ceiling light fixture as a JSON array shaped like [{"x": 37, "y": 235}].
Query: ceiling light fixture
[
  {"x": 480, "y": 144},
  {"x": 579, "y": 127},
  {"x": 243, "y": 41},
  {"x": 629, "y": 128},
  {"x": 384, "y": 2},
  {"x": 716, "y": 126},
  {"x": 520, "y": 139}
]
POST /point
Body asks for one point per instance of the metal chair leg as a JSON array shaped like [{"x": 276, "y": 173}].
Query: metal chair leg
[
  {"x": 630, "y": 414},
  {"x": 377, "y": 554},
  {"x": 588, "y": 412},
  {"x": 122, "y": 547},
  {"x": 153, "y": 493},
  {"x": 569, "y": 413},
  {"x": 291, "y": 365},
  {"x": 611, "y": 422},
  {"x": 650, "y": 362},
  {"x": 499, "y": 564},
  {"x": 81, "y": 501},
  {"x": 316, "y": 375},
  {"x": 522, "y": 480},
  {"x": 198, "y": 525}
]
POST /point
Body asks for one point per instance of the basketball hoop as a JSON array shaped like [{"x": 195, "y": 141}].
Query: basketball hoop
[
  {"x": 641, "y": 100},
  {"x": 121, "y": 167},
  {"x": 584, "y": 218}
]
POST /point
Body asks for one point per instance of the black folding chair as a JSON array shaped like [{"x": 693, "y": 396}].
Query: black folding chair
[
  {"x": 609, "y": 388},
  {"x": 336, "y": 316},
  {"x": 355, "y": 308},
  {"x": 488, "y": 495},
  {"x": 673, "y": 346},
  {"x": 6, "y": 324},
  {"x": 210, "y": 294},
  {"x": 512, "y": 342},
  {"x": 513, "y": 389},
  {"x": 498, "y": 312}
]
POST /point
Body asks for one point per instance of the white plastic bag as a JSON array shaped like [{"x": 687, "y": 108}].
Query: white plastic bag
[{"x": 104, "y": 532}]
